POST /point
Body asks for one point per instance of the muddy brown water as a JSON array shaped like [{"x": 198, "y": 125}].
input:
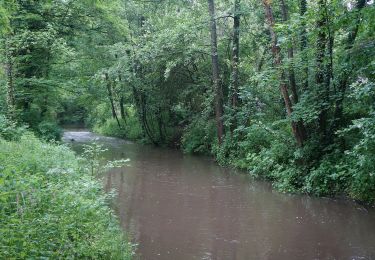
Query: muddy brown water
[{"x": 179, "y": 207}]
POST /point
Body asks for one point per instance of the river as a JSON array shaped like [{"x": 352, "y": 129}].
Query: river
[{"x": 179, "y": 207}]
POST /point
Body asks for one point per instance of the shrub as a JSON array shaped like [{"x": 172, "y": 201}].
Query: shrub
[
  {"x": 109, "y": 128},
  {"x": 130, "y": 128},
  {"x": 133, "y": 129},
  {"x": 287, "y": 178},
  {"x": 361, "y": 159},
  {"x": 49, "y": 131},
  {"x": 52, "y": 208},
  {"x": 9, "y": 129},
  {"x": 329, "y": 177},
  {"x": 199, "y": 137}
]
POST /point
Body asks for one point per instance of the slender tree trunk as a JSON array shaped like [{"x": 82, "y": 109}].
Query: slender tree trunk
[
  {"x": 303, "y": 41},
  {"x": 278, "y": 63},
  {"x": 138, "y": 95},
  {"x": 138, "y": 105},
  {"x": 292, "y": 78},
  {"x": 140, "y": 102},
  {"x": 300, "y": 126},
  {"x": 122, "y": 100},
  {"x": 235, "y": 52},
  {"x": 330, "y": 42},
  {"x": 122, "y": 108},
  {"x": 160, "y": 125},
  {"x": 144, "y": 119},
  {"x": 110, "y": 96},
  {"x": 44, "y": 106},
  {"x": 235, "y": 61},
  {"x": 323, "y": 90},
  {"x": 11, "y": 102},
  {"x": 216, "y": 74}
]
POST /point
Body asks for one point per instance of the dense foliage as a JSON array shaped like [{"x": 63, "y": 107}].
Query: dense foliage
[
  {"x": 51, "y": 207},
  {"x": 284, "y": 89}
]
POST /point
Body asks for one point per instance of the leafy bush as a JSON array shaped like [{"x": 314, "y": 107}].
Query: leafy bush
[
  {"x": 52, "y": 208},
  {"x": 224, "y": 152},
  {"x": 258, "y": 148},
  {"x": 133, "y": 129},
  {"x": 109, "y": 128},
  {"x": 238, "y": 145},
  {"x": 93, "y": 154},
  {"x": 32, "y": 117},
  {"x": 256, "y": 139},
  {"x": 9, "y": 129},
  {"x": 49, "y": 131},
  {"x": 261, "y": 164},
  {"x": 361, "y": 159},
  {"x": 130, "y": 128},
  {"x": 287, "y": 178},
  {"x": 199, "y": 137},
  {"x": 330, "y": 177}
]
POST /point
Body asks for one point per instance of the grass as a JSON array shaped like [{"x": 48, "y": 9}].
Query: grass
[{"x": 52, "y": 208}]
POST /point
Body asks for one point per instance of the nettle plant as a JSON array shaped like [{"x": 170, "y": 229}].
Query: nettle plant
[{"x": 93, "y": 154}]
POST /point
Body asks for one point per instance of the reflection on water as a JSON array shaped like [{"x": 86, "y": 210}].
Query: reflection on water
[{"x": 184, "y": 207}]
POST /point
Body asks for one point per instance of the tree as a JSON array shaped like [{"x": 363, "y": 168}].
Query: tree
[
  {"x": 216, "y": 73},
  {"x": 155, "y": 71},
  {"x": 297, "y": 129},
  {"x": 235, "y": 60}
]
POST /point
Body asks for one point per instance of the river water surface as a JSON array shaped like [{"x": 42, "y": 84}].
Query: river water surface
[{"x": 181, "y": 207}]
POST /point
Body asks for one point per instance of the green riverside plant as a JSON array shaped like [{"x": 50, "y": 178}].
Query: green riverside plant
[{"x": 51, "y": 207}]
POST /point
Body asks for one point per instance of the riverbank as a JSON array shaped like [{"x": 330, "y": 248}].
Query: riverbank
[
  {"x": 52, "y": 207},
  {"x": 266, "y": 157}
]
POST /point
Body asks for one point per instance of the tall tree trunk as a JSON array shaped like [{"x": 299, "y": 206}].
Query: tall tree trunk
[
  {"x": 292, "y": 78},
  {"x": 110, "y": 96},
  {"x": 11, "y": 102},
  {"x": 330, "y": 42},
  {"x": 303, "y": 42},
  {"x": 215, "y": 73},
  {"x": 235, "y": 60},
  {"x": 122, "y": 108},
  {"x": 323, "y": 90},
  {"x": 122, "y": 100},
  {"x": 300, "y": 126},
  {"x": 140, "y": 101},
  {"x": 160, "y": 125},
  {"x": 138, "y": 104},
  {"x": 235, "y": 52},
  {"x": 144, "y": 118},
  {"x": 278, "y": 63}
]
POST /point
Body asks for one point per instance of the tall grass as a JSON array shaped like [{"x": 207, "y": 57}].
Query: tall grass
[{"x": 52, "y": 208}]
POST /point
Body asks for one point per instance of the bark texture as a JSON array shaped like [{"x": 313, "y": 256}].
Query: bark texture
[
  {"x": 111, "y": 100},
  {"x": 235, "y": 61},
  {"x": 298, "y": 133},
  {"x": 216, "y": 73}
]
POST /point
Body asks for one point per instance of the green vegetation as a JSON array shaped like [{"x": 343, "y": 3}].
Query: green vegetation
[
  {"x": 51, "y": 206},
  {"x": 283, "y": 89}
]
